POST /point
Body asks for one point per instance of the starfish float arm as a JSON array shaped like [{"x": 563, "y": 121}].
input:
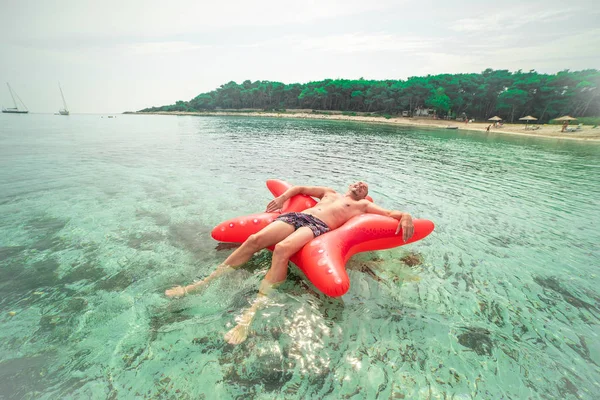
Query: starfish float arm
[
  {"x": 323, "y": 259},
  {"x": 238, "y": 229},
  {"x": 404, "y": 219},
  {"x": 314, "y": 191}
]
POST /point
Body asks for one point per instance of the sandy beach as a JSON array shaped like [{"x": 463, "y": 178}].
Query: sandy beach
[{"x": 587, "y": 133}]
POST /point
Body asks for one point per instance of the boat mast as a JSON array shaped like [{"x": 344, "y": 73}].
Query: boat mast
[
  {"x": 11, "y": 95},
  {"x": 24, "y": 106},
  {"x": 63, "y": 97}
]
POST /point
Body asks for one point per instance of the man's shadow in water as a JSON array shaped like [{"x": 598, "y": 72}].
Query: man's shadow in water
[
  {"x": 273, "y": 351},
  {"x": 265, "y": 358}
]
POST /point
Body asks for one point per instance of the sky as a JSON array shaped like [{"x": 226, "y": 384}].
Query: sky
[{"x": 114, "y": 56}]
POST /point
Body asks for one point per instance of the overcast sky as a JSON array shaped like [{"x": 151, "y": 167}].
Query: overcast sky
[{"x": 114, "y": 56}]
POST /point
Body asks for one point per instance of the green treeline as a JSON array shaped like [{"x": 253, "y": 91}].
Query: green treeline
[{"x": 510, "y": 95}]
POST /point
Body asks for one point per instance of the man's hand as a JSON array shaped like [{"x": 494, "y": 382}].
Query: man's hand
[
  {"x": 275, "y": 204},
  {"x": 407, "y": 227}
]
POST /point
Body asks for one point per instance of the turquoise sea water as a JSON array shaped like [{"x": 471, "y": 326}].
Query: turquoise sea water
[{"x": 99, "y": 216}]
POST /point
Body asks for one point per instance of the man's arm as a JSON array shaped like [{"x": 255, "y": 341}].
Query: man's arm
[
  {"x": 314, "y": 191},
  {"x": 405, "y": 219}
]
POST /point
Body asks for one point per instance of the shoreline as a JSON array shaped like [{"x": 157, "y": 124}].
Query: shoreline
[{"x": 586, "y": 134}]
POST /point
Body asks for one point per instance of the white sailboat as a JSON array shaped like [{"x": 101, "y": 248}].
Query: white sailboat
[
  {"x": 16, "y": 109},
  {"x": 65, "y": 109}
]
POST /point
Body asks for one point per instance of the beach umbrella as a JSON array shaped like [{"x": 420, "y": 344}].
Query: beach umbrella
[
  {"x": 495, "y": 118},
  {"x": 566, "y": 118},
  {"x": 527, "y": 119}
]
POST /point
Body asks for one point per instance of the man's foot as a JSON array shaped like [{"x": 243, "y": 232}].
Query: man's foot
[
  {"x": 237, "y": 335},
  {"x": 180, "y": 291}
]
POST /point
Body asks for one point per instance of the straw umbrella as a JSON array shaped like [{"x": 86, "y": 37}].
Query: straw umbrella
[
  {"x": 527, "y": 119},
  {"x": 566, "y": 118},
  {"x": 495, "y": 119}
]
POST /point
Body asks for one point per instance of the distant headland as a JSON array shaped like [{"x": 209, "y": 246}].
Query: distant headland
[{"x": 444, "y": 100}]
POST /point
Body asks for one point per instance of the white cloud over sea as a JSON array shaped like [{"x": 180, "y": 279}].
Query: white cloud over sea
[{"x": 113, "y": 56}]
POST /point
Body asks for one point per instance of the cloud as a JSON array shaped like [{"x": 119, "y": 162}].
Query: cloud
[
  {"x": 514, "y": 18},
  {"x": 156, "y": 19},
  {"x": 366, "y": 42},
  {"x": 353, "y": 42},
  {"x": 570, "y": 52},
  {"x": 573, "y": 47},
  {"x": 438, "y": 62},
  {"x": 164, "y": 47}
]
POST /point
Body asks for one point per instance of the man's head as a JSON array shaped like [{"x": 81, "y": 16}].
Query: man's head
[{"x": 358, "y": 190}]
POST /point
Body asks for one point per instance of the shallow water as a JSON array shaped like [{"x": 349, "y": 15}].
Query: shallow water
[{"x": 99, "y": 216}]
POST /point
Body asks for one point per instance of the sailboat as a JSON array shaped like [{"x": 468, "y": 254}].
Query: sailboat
[
  {"x": 16, "y": 109},
  {"x": 65, "y": 110}
]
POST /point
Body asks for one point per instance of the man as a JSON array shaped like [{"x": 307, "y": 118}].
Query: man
[{"x": 289, "y": 233}]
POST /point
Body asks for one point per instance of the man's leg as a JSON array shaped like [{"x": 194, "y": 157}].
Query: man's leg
[
  {"x": 275, "y": 276},
  {"x": 273, "y": 233},
  {"x": 268, "y": 236}
]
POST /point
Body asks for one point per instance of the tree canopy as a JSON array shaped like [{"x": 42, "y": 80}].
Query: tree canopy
[{"x": 510, "y": 95}]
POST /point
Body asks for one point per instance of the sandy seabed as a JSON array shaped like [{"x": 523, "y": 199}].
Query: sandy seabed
[{"x": 587, "y": 133}]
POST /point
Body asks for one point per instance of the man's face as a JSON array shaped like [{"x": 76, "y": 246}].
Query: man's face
[{"x": 359, "y": 190}]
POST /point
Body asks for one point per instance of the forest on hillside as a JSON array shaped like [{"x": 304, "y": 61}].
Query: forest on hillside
[{"x": 510, "y": 95}]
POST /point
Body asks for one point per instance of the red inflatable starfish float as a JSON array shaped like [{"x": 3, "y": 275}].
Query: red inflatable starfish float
[{"x": 323, "y": 259}]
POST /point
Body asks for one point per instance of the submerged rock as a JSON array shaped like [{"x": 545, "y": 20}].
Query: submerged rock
[
  {"x": 412, "y": 259},
  {"x": 478, "y": 340}
]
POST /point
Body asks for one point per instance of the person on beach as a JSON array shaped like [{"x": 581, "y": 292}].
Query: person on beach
[{"x": 289, "y": 233}]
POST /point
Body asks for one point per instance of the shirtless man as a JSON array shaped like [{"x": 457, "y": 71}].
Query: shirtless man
[{"x": 289, "y": 233}]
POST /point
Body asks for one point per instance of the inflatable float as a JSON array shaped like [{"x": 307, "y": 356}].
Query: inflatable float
[{"x": 323, "y": 259}]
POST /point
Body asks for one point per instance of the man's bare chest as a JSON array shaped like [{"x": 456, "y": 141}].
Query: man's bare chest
[{"x": 338, "y": 204}]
